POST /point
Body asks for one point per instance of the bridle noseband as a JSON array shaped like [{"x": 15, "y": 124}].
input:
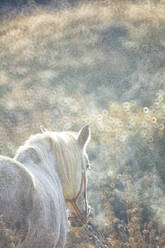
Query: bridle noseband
[{"x": 83, "y": 219}]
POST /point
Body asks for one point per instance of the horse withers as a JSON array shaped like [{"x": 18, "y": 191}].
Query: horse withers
[{"x": 47, "y": 174}]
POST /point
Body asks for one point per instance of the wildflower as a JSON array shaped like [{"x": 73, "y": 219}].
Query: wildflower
[
  {"x": 119, "y": 176},
  {"x": 131, "y": 239},
  {"x": 115, "y": 220},
  {"x": 150, "y": 139},
  {"x": 157, "y": 104},
  {"x": 144, "y": 133},
  {"x": 126, "y": 104},
  {"x": 110, "y": 120},
  {"x": 146, "y": 110},
  {"x": 99, "y": 117},
  {"x": 126, "y": 107},
  {"x": 147, "y": 117},
  {"x": 120, "y": 124},
  {"x": 144, "y": 124},
  {"x": 110, "y": 173},
  {"x": 112, "y": 185},
  {"x": 161, "y": 126},
  {"x": 163, "y": 107},
  {"x": 154, "y": 119},
  {"x": 123, "y": 138},
  {"x": 132, "y": 122},
  {"x": 105, "y": 112},
  {"x": 145, "y": 231}
]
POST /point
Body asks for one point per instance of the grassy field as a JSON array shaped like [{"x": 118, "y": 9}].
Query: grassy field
[{"x": 97, "y": 62}]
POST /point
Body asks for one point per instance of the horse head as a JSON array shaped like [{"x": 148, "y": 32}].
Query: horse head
[
  {"x": 78, "y": 205},
  {"x": 71, "y": 164}
]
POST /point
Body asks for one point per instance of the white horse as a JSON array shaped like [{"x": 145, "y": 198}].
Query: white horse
[{"x": 46, "y": 175}]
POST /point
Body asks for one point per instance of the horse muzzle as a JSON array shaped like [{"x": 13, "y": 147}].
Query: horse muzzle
[{"x": 78, "y": 219}]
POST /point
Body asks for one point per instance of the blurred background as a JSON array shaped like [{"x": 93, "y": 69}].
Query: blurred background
[{"x": 66, "y": 63}]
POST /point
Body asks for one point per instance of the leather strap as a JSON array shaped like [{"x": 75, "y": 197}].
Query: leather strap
[{"x": 74, "y": 204}]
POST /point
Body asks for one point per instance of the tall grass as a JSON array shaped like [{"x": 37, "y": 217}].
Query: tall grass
[{"x": 101, "y": 63}]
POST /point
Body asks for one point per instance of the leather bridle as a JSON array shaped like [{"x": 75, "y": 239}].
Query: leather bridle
[{"x": 83, "y": 218}]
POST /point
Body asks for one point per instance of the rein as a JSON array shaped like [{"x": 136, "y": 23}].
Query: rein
[
  {"x": 89, "y": 228},
  {"x": 74, "y": 204}
]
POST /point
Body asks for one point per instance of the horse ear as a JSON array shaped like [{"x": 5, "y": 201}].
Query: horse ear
[
  {"x": 43, "y": 129},
  {"x": 84, "y": 136}
]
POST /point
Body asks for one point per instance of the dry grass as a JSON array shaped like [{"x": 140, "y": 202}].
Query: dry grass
[
  {"x": 8, "y": 238},
  {"x": 74, "y": 66}
]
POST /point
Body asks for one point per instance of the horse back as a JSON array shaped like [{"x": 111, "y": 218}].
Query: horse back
[{"x": 16, "y": 191}]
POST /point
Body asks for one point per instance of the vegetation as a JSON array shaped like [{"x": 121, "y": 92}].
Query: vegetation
[{"x": 100, "y": 63}]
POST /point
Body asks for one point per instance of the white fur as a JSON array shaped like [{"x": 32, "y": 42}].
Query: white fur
[{"x": 46, "y": 170}]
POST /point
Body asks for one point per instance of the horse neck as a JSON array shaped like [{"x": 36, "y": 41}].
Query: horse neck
[{"x": 36, "y": 160}]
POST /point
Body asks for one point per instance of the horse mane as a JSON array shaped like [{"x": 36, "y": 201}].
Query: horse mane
[{"x": 62, "y": 146}]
